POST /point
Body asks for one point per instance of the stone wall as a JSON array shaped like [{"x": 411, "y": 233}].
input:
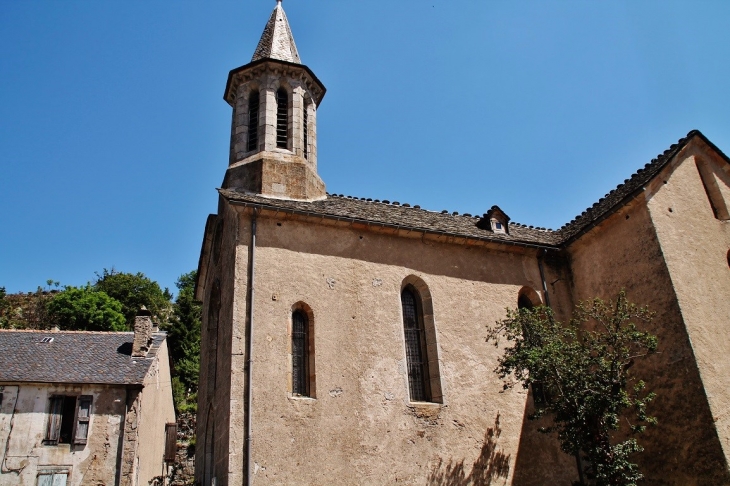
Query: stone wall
[
  {"x": 624, "y": 252},
  {"x": 362, "y": 427},
  {"x": 23, "y": 424}
]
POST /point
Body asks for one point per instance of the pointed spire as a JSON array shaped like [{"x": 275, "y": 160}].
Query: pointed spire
[{"x": 277, "y": 41}]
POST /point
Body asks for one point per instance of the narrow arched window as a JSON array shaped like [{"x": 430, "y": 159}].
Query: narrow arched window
[
  {"x": 300, "y": 353},
  {"x": 305, "y": 127},
  {"x": 253, "y": 121},
  {"x": 282, "y": 118},
  {"x": 524, "y": 302},
  {"x": 417, "y": 360}
]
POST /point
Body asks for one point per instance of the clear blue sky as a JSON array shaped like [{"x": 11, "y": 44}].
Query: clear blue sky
[{"x": 114, "y": 133}]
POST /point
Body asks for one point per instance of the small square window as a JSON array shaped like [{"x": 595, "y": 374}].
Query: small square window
[{"x": 498, "y": 225}]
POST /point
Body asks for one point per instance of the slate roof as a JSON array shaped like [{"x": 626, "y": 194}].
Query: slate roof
[
  {"x": 277, "y": 41},
  {"x": 396, "y": 215},
  {"x": 73, "y": 357},
  {"x": 617, "y": 197}
]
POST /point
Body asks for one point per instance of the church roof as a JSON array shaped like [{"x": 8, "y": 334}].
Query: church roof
[
  {"x": 277, "y": 41},
  {"x": 395, "y": 215},
  {"x": 403, "y": 216},
  {"x": 631, "y": 187},
  {"x": 73, "y": 357}
]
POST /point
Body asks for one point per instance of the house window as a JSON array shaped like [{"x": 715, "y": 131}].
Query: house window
[
  {"x": 253, "y": 120},
  {"x": 52, "y": 478},
  {"x": 68, "y": 419},
  {"x": 415, "y": 338},
  {"x": 282, "y": 118},
  {"x": 300, "y": 353}
]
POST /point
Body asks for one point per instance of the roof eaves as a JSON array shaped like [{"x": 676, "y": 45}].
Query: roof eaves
[
  {"x": 382, "y": 224},
  {"x": 594, "y": 215}
]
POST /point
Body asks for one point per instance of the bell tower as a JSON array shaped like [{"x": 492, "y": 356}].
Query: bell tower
[{"x": 274, "y": 128}]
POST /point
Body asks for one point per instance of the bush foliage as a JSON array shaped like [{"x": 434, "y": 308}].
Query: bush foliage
[{"x": 584, "y": 372}]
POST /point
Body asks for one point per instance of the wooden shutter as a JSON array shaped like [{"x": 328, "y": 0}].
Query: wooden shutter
[
  {"x": 170, "y": 442},
  {"x": 54, "y": 419},
  {"x": 83, "y": 419}
]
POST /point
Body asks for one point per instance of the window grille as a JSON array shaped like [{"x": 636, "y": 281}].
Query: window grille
[
  {"x": 300, "y": 353},
  {"x": 253, "y": 121},
  {"x": 306, "y": 130},
  {"x": 282, "y": 118},
  {"x": 415, "y": 347}
]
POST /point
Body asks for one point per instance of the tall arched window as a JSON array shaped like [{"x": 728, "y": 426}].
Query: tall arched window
[
  {"x": 300, "y": 353},
  {"x": 305, "y": 129},
  {"x": 282, "y": 118},
  {"x": 253, "y": 120},
  {"x": 415, "y": 336}
]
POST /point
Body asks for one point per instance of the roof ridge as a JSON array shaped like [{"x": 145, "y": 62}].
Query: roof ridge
[
  {"x": 444, "y": 211},
  {"x": 617, "y": 195}
]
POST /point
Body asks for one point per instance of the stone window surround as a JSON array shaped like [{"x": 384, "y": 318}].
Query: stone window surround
[
  {"x": 312, "y": 396},
  {"x": 432, "y": 349}
]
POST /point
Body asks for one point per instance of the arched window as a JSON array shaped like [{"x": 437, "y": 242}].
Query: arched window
[
  {"x": 253, "y": 120},
  {"x": 282, "y": 118},
  {"x": 211, "y": 375},
  {"x": 415, "y": 336},
  {"x": 528, "y": 298},
  {"x": 300, "y": 354},
  {"x": 305, "y": 129},
  {"x": 523, "y": 302}
]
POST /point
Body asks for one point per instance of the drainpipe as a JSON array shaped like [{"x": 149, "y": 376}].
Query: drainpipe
[{"x": 249, "y": 347}]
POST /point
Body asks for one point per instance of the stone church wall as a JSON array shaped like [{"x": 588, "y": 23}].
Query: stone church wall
[
  {"x": 361, "y": 428},
  {"x": 624, "y": 252}
]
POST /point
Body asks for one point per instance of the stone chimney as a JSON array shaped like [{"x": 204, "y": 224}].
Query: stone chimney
[{"x": 142, "y": 333}]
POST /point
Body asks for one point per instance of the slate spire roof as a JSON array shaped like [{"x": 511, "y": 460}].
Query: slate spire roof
[{"x": 277, "y": 41}]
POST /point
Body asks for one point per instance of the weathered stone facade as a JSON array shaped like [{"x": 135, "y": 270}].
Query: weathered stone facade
[
  {"x": 344, "y": 263},
  {"x": 130, "y": 401}
]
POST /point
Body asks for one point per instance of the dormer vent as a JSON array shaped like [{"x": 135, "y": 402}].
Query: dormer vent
[{"x": 495, "y": 220}]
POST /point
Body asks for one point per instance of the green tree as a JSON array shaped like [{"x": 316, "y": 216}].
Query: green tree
[
  {"x": 86, "y": 309},
  {"x": 183, "y": 332},
  {"x": 584, "y": 370},
  {"x": 5, "y": 309},
  {"x": 27, "y": 310},
  {"x": 135, "y": 290}
]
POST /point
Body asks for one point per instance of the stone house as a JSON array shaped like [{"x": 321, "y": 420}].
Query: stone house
[
  {"x": 343, "y": 338},
  {"x": 85, "y": 408}
]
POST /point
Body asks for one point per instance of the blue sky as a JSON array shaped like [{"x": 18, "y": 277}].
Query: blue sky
[{"x": 114, "y": 133}]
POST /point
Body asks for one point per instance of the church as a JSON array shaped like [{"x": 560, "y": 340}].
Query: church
[{"x": 343, "y": 338}]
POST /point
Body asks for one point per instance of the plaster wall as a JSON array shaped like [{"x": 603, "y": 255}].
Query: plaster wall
[
  {"x": 23, "y": 423},
  {"x": 362, "y": 428},
  {"x": 156, "y": 409},
  {"x": 695, "y": 247},
  {"x": 624, "y": 252}
]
